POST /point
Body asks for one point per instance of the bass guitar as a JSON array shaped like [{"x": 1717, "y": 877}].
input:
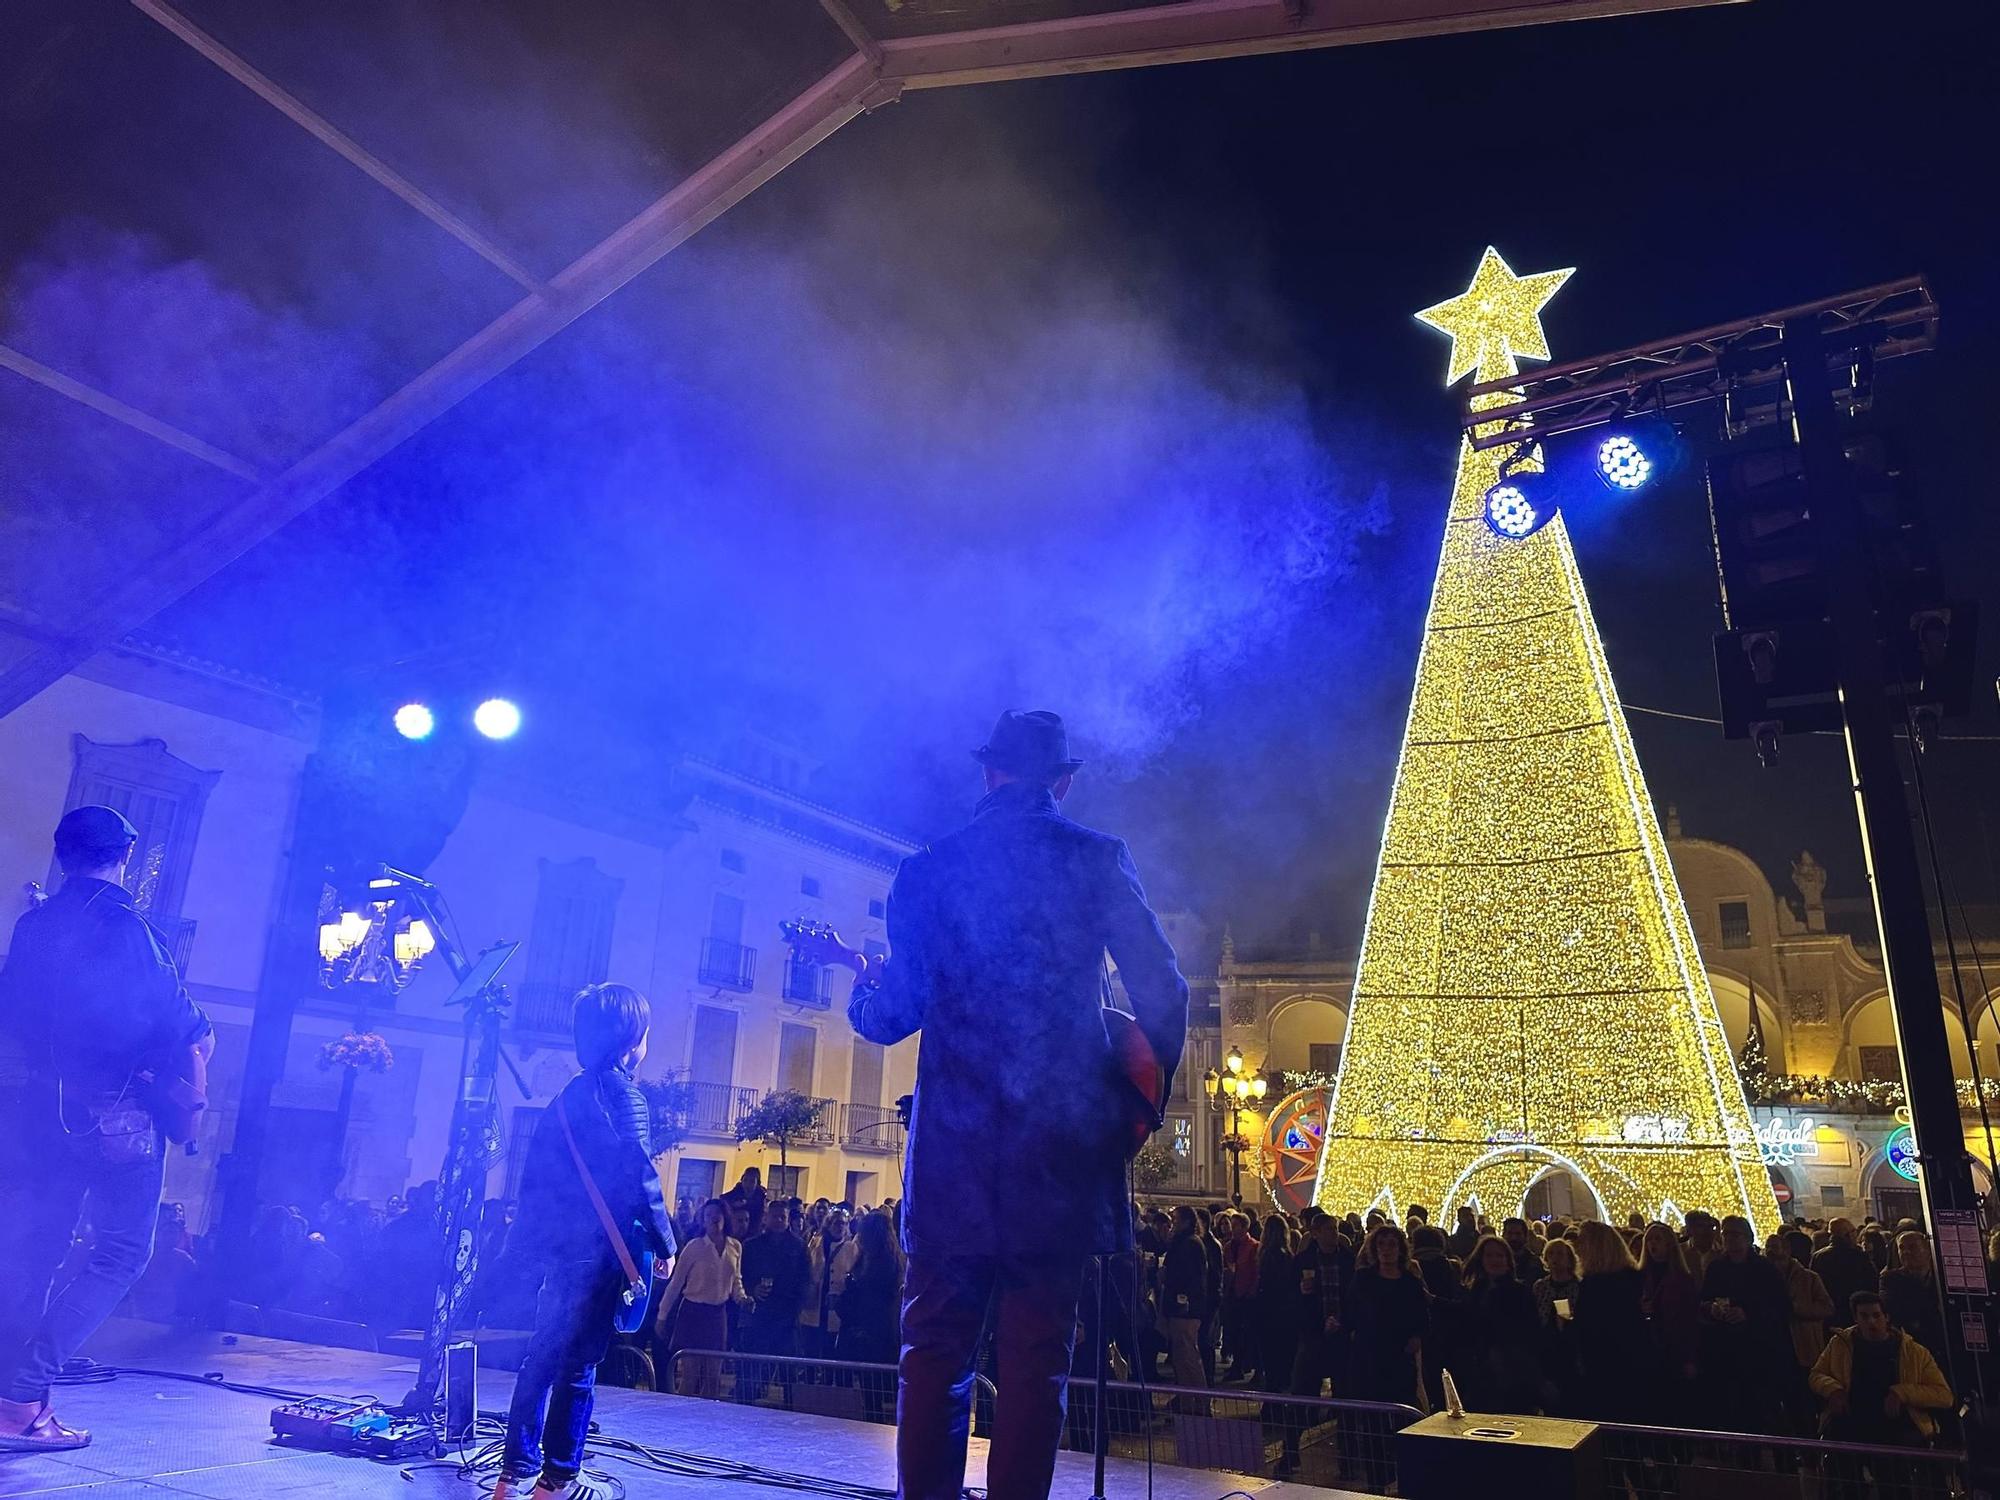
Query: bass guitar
[{"x": 1134, "y": 1067}]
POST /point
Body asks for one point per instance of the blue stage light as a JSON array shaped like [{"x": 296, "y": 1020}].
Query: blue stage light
[
  {"x": 1510, "y": 511},
  {"x": 1623, "y": 464},
  {"x": 497, "y": 719},
  {"x": 415, "y": 722}
]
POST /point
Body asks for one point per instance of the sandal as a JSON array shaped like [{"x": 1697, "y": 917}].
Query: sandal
[{"x": 36, "y": 1430}]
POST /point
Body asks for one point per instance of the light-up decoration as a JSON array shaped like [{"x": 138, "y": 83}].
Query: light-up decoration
[
  {"x": 1622, "y": 464},
  {"x": 1510, "y": 512},
  {"x": 1292, "y": 1138},
  {"x": 1783, "y": 1142},
  {"x": 1529, "y": 996},
  {"x": 1901, "y": 1150}
]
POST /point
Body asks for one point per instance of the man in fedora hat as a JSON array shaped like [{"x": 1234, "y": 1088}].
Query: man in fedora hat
[
  {"x": 88, "y": 998},
  {"x": 1015, "y": 1172}
]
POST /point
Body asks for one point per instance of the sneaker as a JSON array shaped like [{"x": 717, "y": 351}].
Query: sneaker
[
  {"x": 30, "y": 1427},
  {"x": 513, "y": 1487},
  {"x": 583, "y": 1487}
]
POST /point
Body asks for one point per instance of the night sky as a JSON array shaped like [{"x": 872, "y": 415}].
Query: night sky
[{"x": 1100, "y": 394}]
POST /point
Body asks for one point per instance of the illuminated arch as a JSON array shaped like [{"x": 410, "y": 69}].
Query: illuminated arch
[{"x": 1551, "y": 1161}]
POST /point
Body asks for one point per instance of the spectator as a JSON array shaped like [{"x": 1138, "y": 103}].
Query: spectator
[
  {"x": 871, "y": 1301},
  {"x": 1528, "y": 1265},
  {"x": 1611, "y": 1342},
  {"x": 1555, "y": 1301},
  {"x": 1811, "y": 1307},
  {"x": 1498, "y": 1342},
  {"x": 1444, "y": 1279},
  {"x": 1875, "y": 1245},
  {"x": 1464, "y": 1236},
  {"x": 708, "y": 1275},
  {"x": 1670, "y": 1301},
  {"x": 747, "y": 1198},
  {"x": 1910, "y": 1293},
  {"x": 1211, "y": 1318},
  {"x": 1184, "y": 1282},
  {"x": 1845, "y": 1268},
  {"x": 776, "y": 1273},
  {"x": 1878, "y": 1384},
  {"x": 1746, "y": 1346},
  {"x": 1239, "y": 1298},
  {"x": 1703, "y": 1243},
  {"x": 1387, "y": 1317},
  {"x": 830, "y": 1260},
  {"x": 1277, "y": 1306}
]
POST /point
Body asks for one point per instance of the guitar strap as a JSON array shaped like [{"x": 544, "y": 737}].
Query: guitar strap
[{"x": 618, "y": 1245}]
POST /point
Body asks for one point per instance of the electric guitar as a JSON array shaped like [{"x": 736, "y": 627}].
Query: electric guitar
[{"x": 1142, "y": 1082}]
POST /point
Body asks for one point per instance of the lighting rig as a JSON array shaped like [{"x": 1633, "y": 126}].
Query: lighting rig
[{"x": 1832, "y": 597}]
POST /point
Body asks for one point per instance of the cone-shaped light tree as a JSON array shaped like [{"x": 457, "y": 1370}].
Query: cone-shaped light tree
[{"x": 1529, "y": 997}]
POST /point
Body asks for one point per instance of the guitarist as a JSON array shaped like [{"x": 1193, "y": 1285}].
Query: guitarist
[
  {"x": 90, "y": 1006},
  {"x": 1020, "y": 1132},
  {"x": 589, "y": 1175}
]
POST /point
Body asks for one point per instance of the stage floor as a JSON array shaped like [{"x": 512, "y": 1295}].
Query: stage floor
[{"x": 156, "y": 1438}]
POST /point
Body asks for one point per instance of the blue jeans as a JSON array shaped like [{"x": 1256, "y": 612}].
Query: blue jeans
[
  {"x": 44, "y": 1206},
  {"x": 557, "y": 1383}
]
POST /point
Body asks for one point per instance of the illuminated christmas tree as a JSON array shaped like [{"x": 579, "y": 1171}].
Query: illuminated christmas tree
[{"x": 1529, "y": 997}]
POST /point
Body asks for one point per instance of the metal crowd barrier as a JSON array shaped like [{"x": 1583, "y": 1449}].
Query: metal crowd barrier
[
  {"x": 1668, "y": 1463},
  {"x": 1332, "y": 1443}
]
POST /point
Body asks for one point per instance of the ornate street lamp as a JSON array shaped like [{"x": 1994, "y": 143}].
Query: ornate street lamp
[{"x": 1235, "y": 1091}]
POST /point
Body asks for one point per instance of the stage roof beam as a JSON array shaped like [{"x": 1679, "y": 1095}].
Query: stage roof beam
[{"x": 332, "y": 136}]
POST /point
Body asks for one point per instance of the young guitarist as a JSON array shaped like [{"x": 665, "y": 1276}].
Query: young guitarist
[
  {"x": 92, "y": 1010},
  {"x": 1021, "y": 1126}
]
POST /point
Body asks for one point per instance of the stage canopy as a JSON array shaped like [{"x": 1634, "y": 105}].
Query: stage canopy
[{"x": 507, "y": 117}]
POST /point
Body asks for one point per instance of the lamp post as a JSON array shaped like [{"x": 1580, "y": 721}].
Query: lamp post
[{"x": 1235, "y": 1091}]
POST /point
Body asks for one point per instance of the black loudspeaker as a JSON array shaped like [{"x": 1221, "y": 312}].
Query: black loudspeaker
[{"x": 1449, "y": 1458}]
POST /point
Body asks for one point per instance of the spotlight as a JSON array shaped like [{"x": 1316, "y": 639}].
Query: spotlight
[
  {"x": 497, "y": 719},
  {"x": 1510, "y": 512},
  {"x": 1622, "y": 463},
  {"x": 414, "y": 721}
]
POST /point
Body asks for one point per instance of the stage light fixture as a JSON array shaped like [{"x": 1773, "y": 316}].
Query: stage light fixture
[
  {"x": 1623, "y": 463},
  {"x": 497, "y": 719},
  {"x": 1510, "y": 511},
  {"x": 415, "y": 722}
]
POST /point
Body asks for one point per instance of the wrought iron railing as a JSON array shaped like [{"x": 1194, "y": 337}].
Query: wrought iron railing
[
  {"x": 871, "y": 1127},
  {"x": 729, "y": 965},
  {"x": 714, "y": 1108},
  {"x": 543, "y": 1005},
  {"x": 808, "y": 983}
]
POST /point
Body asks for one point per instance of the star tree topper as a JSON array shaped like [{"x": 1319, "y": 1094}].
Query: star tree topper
[{"x": 1496, "y": 320}]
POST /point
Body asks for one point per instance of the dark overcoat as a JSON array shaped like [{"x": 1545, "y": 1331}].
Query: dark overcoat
[{"x": 997, "y": 938}]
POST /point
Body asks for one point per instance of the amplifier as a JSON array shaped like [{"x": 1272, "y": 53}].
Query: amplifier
[{"x": 1448, "y": 1458}]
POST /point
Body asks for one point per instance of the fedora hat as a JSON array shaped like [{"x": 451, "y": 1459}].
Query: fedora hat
[{"x": 1028, "y": 744}]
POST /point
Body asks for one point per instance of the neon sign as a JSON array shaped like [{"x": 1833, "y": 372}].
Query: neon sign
[
  {"x": 1901, "y": 1149},
  {"x": 1783, "y": 1142},
  {"x": 1655, "y": 1130}
]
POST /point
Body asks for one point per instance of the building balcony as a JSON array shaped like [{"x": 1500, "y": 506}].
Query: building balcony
[
  {"x": 714, "y": 1108},
  {"x": 540, "y": 1005},
  {"x": 808, "y": 983},
  {"x": 825, "y": 1127},
  {"x": 727, "y": 965},
  {"x": 871, "y": 1127}
]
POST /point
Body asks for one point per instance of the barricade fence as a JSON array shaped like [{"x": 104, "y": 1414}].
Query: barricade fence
[
  {"x": 1346, "y": 1445},
  {"x": 1668, "y": 1463},
  {"x": 1333, "y": 1443}
]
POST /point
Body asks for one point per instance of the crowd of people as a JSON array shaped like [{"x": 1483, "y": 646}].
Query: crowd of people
[
  {"x": 1824, "y": 1328},
  {"x": 1828, "y": 1327}
]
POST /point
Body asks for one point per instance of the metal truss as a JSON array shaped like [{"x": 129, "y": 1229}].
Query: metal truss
[
  {"x": 1735, "y": 363},
  {"x": 876, "y": 73}
]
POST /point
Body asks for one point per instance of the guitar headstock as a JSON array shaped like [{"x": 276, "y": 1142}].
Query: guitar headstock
[{"x": 814, "y": 942}]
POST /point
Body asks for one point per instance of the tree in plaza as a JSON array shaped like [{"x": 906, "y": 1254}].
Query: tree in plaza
[
  {"x": 668, "y": 1101},
  {"x": 780, "y": 1117},
  {"x": 1154, "y": 1167},
  {"x": 1529, "y": 997}
]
